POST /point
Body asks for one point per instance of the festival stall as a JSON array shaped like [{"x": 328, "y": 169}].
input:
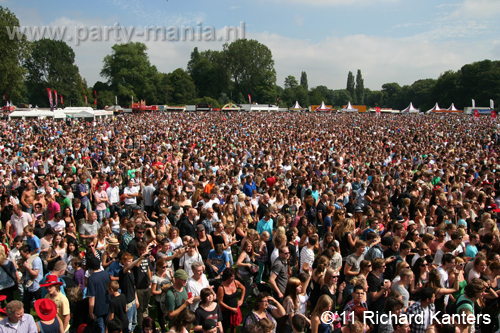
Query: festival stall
[
  {"x": 296, "y": 107},
  {"x": 349, "y": 108},
  {"x": 410, "y": 109},
  {"x": 322, "y": 107}
]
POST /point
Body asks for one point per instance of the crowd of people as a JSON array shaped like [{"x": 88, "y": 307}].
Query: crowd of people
[{"x": 304, "y": 221}]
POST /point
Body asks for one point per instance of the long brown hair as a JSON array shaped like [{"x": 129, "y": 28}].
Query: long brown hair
[{"x": 291, "y": 290}]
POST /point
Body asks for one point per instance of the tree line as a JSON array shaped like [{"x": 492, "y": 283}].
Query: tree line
[{"x": 241, "y": 68}]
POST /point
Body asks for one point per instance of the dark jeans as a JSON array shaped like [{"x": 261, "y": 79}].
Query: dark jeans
[
  {"x": 9, "y": 292},
  {"x": 100, "y": 323},
  {"x": 115, "y": 208},
  {"x": 28, "y": 297},
  {"x": 161, "y": 317}
]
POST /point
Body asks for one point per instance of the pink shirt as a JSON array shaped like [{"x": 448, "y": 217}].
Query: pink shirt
[
  {"x": 53, "y": 209},
  {"x": 101, "y": 196}
]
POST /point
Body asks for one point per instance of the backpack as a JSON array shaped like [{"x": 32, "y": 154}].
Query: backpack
[
  {"x": 163, "y": 299},
  {"x": 458, "y": 304}
]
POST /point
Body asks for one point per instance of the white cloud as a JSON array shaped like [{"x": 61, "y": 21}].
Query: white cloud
[
  {"x": 381, "y": 60},
  {"x": 477, "y": 9}
]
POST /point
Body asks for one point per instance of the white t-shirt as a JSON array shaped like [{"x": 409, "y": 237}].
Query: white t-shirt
[
  {"x": 186, "y": 262},
  {"x": 195, "y": 288},
  {"x": 133, "y": 190},
  {"x": 58, "y": 226},
  {"x": 444, "y": 282}
]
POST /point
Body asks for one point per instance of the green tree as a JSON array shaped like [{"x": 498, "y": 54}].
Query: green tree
[
  {"x": 15, "y": 48},
  {"x": 251, "y": 67},
  {"x": 209, "y": 72},
  {"x": 350, "y": 86},
  {"x": 316, "y": 97},
  {"x": 183, "y": 88},
  {"x": 360, "y": 88},
  {"x": 421, "y": 93},
  {"x": 392, "y": 92},
  {"x": 129, "y": 73},
  {"x": 51, "y": 64},
  {"x": 290, "y": 82},
  {"x": 303, "y": 80},
  {"x": 341, "y": 97}
]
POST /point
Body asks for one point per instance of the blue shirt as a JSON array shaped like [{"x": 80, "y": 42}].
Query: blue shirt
[
  {"x": 218, "y": 261},
  {"x": 248, "y": 188},
  {"x": 471, "y": 251},
  {"x": 265, "y": 226},
  {"x": 37, "y": 264},
  {"x": 34, "y": 243}
]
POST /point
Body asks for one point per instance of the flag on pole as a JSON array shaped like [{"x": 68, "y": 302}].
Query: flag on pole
[
  {"x": 86, "y": 102},
  {"x": 116, "y": 100},
  {"x": 49, "y": 91},
  {"x": 492, "y": 104},
  {"x": 493, "y": 115},
  {"x": 476, "y": 114},
  {"x": 249, "y": 99},
  {"x": 473, "y": 104},
  {"x": 95, "y": 101},
  {"x": 62, "y": 101},
  {"x": 55, "y": 97}
]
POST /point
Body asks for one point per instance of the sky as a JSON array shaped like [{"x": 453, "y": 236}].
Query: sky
[{"x": 388, "y": 40}]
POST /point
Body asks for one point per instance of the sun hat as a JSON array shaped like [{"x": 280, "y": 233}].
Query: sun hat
[
  {"x": 113, "y": 241},
  {"x": 51, "y": 280},
  {"x": 46, "y": 309}
]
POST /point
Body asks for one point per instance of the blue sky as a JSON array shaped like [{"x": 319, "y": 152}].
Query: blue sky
[{"x": 389, "y": 40}]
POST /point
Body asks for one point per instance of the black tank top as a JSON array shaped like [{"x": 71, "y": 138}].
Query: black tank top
[
  {"x": 217, "y": 239},
  {"x": 204, "y": 248},
  {"x": 230, "y": 300}
]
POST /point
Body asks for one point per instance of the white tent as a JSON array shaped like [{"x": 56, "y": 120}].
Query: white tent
[
  {"x": 18, "y": 114},
  {"x": 323, "y": 107},
  {"x": 436, "y": 108},
  {"x": 410, "y": 109},
  {"x": 349, "y": 108},
  {"x": 452, "y": 107},
  {"x": 296, "y": 107}
]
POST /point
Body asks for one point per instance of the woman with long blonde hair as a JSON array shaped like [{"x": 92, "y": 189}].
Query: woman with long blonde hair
[
  {"x": 346, "y": 234},
  {"x": 324, "y": 304}
]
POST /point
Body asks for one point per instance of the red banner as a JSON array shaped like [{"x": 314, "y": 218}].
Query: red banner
[
  {"x": 62, "y": 101},
  {"x": 249, "y": 99},
  {"x": 86, "y": 102},
  {"x": 49, "y": 91},
  {"x": 95, "y": 101},
  {"x": 55, "y": 96},
  {"x": 476, "y": 114},
  {"x": 378, "y": 110},
  {"x": 493, "y": 115}
]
